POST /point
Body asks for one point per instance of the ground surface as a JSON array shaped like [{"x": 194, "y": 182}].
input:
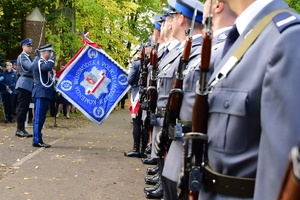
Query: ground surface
[{"x": 85, "y": 161}]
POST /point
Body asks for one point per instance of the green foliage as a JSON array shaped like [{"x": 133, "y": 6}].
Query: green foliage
[
  {"x": 294, "y": 4},
  {"x": 116, "y": 25},
  {"x": 12, "y": 16}
]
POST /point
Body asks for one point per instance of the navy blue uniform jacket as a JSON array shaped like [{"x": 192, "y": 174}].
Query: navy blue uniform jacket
[{"x": 42, "y": 77}]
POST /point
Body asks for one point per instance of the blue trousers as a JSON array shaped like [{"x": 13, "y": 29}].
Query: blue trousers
[{"x": 40, "y": 110}]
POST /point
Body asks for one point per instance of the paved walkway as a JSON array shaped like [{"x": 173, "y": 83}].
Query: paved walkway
[{"x": 85, "y": 162}]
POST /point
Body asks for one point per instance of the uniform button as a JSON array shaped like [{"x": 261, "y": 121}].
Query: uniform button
[{"x": 226, "y": 104}]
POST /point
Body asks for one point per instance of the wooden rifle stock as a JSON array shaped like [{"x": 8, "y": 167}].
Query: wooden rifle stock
[
  {"x": 174, "y": 101},
  {"x": 290, "y": 189},
  {"x": 200, "y": 109},
  {"x": 175, "y": 97},
  {"x": 143, "y": 71},
  {"x": 152, "y": 89},
  {"x": 176, "y": 94},
  {"x": 197, "y": 139},
  {"x": 152, "y": 92}
]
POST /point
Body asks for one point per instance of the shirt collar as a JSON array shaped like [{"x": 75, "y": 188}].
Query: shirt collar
[
  {"x": 161, "y": 46},
  {"x": 173, "y": 44},
  {"x": 197, "y": 36},
  {"x": 248, "y": 15},
  {"x": 221, "y": 30},
  {"x": 194, "y": 37}
]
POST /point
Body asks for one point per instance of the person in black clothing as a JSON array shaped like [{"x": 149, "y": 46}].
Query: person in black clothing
[
  {"x": 63, "y": 103},
  {"x": 122, "y": 101},
  {"x": 8, "y": 92}
]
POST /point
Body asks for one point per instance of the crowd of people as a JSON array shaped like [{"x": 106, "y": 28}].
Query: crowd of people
[{"x": 251, "y": 91}]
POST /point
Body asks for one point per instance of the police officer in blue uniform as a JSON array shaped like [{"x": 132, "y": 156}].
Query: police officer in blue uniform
[
  {"x": 8, "y": 85},
  {"x": 24, "y": 87},
  {"x": 43, "y": 91}
]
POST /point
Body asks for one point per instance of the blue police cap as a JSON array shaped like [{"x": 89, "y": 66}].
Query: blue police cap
[
  {"x": 27, "y": 41},
  {"x": 149, "y": 43},
  {"x": 157, "y": 21},
  {"x": 159, "y": 18},
  {"x": 172, "y": 4},
  {"x": 47, "y": 47},
  {"x": 168, "y": 11},
  {"x": 14, "y": 62},
  {"x": 141, "y": 46},
  {"x": 165, "y": 11},
  {"x": 187, "y": 8}
]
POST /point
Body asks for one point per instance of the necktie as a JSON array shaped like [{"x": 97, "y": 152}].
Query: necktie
[
  {"x": 231, "y": 38},
  {"x": 166, "y": 52}
]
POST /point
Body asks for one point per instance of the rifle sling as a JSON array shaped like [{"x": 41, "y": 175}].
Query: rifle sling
[{"x": 243, "y": 47}]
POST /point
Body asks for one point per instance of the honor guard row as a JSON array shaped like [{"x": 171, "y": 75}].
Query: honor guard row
[{"x": 217, "y": 73}]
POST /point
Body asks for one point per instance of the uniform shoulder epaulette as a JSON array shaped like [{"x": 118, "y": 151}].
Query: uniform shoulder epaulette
[{"x": 285, "y": 20}]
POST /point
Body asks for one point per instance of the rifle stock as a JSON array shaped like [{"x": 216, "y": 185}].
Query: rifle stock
[
  {"x": 175, "y": 97},
  {"x": 152, "y": 90},
  {"x": 290, "y": 189},
  {"x": 195, "y": 145},
  {"x": 143, "y": 78}
]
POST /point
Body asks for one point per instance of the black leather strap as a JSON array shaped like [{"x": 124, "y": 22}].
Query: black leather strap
[
  {"x": 228, "y": 185},
  {"x": 27, "y": 76}
]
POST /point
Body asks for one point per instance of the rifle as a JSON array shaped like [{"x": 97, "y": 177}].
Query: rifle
[
  {"x": 152, "y": 89},
  {"x": 195, "y": 146},
  {"x": 290, "y": 188},
  {"x": 151, "y": 94},
  {"x": 143, "y": 78}
]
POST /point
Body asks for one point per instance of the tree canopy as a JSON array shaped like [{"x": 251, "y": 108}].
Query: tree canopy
[{"x": 116, "y": 25}]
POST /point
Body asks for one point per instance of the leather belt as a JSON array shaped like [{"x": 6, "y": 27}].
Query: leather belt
[
  {"x": 228, "y": 185},
  {"x": 27, "y": 76},
  {"x": 160, "y": 112}
]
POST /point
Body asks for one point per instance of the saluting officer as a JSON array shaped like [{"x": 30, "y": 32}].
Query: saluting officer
[
  {"x": 43, "y": 91},
  {"x": 24, "y": 87},
  {"x": 254, "y": 107}
]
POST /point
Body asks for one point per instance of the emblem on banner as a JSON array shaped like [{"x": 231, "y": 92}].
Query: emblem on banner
[{"x": 95, "y": 82}]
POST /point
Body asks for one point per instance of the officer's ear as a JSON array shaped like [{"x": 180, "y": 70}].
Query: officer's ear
[{"x": 219, "y": 6}]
